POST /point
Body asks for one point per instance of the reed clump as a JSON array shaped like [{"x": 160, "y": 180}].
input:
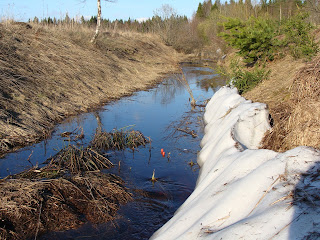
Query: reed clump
[
  {"x": 119, "y": 139},
  {"x": 77, "y": 160}
]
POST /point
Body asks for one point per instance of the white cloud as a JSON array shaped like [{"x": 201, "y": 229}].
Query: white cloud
[{"x": 142, "y": 19}]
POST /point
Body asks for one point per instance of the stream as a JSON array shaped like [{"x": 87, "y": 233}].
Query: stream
[{"x": 164, "y": 114}]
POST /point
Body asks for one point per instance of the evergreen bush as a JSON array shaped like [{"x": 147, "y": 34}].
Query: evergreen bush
[
  {"x": 254, "y": 38},
  {"x": 245, "y": 80},
  {"x": 260, "y": 39}
]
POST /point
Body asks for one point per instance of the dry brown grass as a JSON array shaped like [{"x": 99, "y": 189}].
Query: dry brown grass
[
  {"x": 29, "y": 208},
  {"x": 48, "y": 74},
  {"x": 119, "y": 139},
  {"x": 293, "y": 96},
  {"x": 76, "y": 160},
  {"x": 68, "y": 191}
]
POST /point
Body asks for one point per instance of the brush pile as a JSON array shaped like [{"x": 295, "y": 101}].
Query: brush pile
[
  {"x": 298, "y": 119},
  {"x": 29, "y": 207},
  {"x": 68, "y": 191}
]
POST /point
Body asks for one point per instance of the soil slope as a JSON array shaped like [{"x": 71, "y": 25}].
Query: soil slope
[{"x": 48, "y": 74}]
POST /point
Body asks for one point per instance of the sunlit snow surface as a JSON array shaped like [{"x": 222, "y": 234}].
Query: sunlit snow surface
[{"x": 244, "y": 192}]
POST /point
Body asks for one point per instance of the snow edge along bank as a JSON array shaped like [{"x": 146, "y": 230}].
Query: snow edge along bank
[{"x": 246, "y": 192}]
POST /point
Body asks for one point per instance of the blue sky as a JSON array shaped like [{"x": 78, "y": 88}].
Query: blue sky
[{"x": 22, "y": 10}]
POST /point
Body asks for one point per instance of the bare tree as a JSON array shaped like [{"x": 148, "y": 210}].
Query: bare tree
[
  {"x": 165, "y": 22},
  {"x": 93, "y": 39}
]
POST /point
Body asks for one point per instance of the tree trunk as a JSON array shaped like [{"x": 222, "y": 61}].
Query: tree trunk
[{"x": 98, "y": 22}]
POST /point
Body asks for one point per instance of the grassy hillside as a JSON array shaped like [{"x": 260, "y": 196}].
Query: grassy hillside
[{"x": 48, "y": 74}]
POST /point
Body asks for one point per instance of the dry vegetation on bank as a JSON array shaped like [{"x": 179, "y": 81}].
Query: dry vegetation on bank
[
  {"x": 49, "y": 73},
  {"x": 292, "y": 93}
]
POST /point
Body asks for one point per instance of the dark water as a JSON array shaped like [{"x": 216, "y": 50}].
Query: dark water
[{"x": 157, "y": 113}]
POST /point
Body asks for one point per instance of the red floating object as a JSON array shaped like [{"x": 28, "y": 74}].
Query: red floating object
[
  {"x": 161, "y": 150},
  {"x": 163, "y": 154}
]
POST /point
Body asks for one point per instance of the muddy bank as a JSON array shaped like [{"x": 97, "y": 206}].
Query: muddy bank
[{"x": 48, "y": 74}]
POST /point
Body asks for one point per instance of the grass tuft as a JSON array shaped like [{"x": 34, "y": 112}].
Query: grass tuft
[
  {"x": 119, "y": 139},
  {"x": 77, "y": 160}
]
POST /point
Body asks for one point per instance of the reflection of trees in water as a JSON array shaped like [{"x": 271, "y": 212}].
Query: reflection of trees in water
[
  {"x": 168, "y": 89},
  {"x": 205, "y": 79},
  {"x": 212, "y": 81}
]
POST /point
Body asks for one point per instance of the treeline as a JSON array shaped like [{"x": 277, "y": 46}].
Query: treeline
[
  {"x": 206, "y": 24},
  {"x": 175, "y": 30}
]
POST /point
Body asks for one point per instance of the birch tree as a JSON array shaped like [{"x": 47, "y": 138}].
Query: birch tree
[{"x": 93, "y": 39}]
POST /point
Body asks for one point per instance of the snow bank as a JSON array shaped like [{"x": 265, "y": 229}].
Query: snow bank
[{"x": 244, "y": 192}]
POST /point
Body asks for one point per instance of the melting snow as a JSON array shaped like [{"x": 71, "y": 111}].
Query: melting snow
[{"x": 244, "y": 192}]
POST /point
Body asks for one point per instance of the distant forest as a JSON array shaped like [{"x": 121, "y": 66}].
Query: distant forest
[{"x": 206, "y": 24}]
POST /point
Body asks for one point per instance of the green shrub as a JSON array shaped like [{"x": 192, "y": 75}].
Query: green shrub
[
  {"x": 261, "y": 38},
  {"x": 255, "y": 38},
  {"x": 245, "y": 80}
]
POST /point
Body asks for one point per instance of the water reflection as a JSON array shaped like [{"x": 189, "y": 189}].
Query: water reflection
[
  {"x": 167, "y": 91},
  {"x": 156, "y": 113}
]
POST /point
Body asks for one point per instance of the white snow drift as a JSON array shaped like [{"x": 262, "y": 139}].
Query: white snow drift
[{"x": 244, "y": 192}]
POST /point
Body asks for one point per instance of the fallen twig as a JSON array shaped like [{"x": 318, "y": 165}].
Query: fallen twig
[{"x": 192, "y": 133}]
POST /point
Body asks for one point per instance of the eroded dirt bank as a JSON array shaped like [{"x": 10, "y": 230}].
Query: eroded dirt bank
[{"x": 48, "y": 74}]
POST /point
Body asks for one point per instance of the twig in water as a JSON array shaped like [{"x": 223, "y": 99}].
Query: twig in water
[
  {"x": 192, "y": 133},
  {"x": 29, "y": 159},
  {"x": 153, "y": 179}
]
